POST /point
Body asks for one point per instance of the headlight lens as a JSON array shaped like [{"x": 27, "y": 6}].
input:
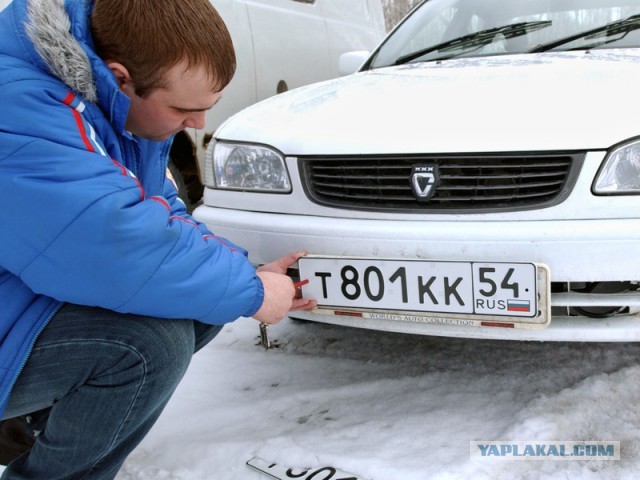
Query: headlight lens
[
  {"x": 620, "y": 173},
  {"x": 237, "y": 166}
]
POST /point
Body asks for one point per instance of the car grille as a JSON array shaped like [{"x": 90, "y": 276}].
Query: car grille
[
  {"x": 465, "y": 182},
  {"x": 595, "y": 299}
]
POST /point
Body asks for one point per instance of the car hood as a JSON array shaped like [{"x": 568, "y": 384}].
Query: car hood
[{"x": 549, "y": 101}]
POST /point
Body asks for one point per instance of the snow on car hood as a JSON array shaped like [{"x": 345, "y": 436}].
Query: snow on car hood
[{"x": 550, "y": 101}]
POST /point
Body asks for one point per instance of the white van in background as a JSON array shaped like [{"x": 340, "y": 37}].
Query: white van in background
[{"x": 280, "y": 45}]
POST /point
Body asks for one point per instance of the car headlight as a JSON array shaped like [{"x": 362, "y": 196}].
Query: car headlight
[
  {"x": 239, "y": 166},
  {"x": 620, "y": 173}
]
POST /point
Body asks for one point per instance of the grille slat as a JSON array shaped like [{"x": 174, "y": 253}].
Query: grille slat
[{"x": 469, "y": 183}]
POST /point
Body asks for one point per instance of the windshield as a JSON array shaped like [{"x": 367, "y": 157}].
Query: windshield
[{"x": 443, "y": 29}]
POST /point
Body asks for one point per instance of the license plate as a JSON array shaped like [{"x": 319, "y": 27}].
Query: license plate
[
  {"x": 281, "y": 472},
  {"x": 516, "y": 294}
]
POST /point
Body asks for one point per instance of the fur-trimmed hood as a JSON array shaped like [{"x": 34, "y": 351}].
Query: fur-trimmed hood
[
  {"x": 54, "y": 38},
  {"x": 49, "y": 28}
]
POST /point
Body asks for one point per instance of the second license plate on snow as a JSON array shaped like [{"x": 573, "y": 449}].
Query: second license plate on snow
[{"x": 510, "y": 293}]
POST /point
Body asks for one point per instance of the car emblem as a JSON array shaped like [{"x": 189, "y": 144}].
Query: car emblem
[{"x": 424, "y": 180}]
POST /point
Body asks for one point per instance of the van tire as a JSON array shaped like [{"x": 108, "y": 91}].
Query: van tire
[{"x": 180, "y": 184}]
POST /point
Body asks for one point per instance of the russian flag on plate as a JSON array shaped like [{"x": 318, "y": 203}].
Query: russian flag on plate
[{"x": 518, "y": 305}]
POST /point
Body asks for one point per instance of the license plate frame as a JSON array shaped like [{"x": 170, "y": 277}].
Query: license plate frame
[{"x": 375, "y": 278}]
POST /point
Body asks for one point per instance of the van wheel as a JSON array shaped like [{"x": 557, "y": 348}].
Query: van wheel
[
  {"x": 178, "y": 180},
  {"x": 282, "y": 87}
]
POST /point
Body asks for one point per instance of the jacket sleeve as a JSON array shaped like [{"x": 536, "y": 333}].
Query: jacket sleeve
[
  {"x": 178, "y": 207},
  {"x": 77, "y": 226}
]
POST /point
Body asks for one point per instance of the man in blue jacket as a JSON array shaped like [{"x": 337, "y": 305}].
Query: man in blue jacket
[{"x": 107, "y": 285}]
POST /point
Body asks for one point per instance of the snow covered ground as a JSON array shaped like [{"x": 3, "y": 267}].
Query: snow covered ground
[{"x": 391, "y": 407}]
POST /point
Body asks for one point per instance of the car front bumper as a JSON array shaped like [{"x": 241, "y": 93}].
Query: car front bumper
[{"x": 574, "y": 251}]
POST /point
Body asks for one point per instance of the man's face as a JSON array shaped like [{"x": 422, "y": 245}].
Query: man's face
[{"x": 181, "y": 103}]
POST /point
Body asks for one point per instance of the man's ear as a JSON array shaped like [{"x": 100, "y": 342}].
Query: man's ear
[{"x": 121, "y": 73}]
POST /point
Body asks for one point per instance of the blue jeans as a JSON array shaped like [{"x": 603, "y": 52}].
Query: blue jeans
[{"x": 105, "y": 378}]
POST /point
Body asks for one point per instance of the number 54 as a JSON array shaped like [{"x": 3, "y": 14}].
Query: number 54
[{"x": 486, "y": 273}]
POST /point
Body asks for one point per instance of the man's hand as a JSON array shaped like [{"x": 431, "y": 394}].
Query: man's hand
[
  {"x": 280, "y": 296},
  {"x": 282, "y": 264}
]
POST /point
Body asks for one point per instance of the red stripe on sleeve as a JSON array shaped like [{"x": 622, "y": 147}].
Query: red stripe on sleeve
[
  {"x": 162, "y": 202},
  {"x": 181, "y": 219},
  {"x": 219, "y": 240},
  {"x": 121, "y": 167},
  {"x": 68, "y": 100},
  {"x": 125, "y": 172}
]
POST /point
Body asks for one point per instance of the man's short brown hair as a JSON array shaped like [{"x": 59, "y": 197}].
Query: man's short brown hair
[{"x": 149, "y": 37}]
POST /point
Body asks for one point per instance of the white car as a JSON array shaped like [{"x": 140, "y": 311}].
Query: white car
[
  {"x": 478, "y": 177},
  {"x": 280, "y": 45}
]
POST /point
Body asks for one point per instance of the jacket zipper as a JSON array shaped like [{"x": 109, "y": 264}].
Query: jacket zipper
[
  {"x": 5, "y": 396},
  {"x": 134, "y": 154}
]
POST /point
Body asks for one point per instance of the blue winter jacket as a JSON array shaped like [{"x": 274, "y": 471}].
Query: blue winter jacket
[{"x": 87, "y": 215}]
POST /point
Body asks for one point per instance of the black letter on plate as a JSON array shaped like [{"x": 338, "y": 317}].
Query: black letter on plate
[
  {"x": 426, "y": 288},
  {"x": 451, "y": 290},
  {"x": 324, "y": 276}
]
